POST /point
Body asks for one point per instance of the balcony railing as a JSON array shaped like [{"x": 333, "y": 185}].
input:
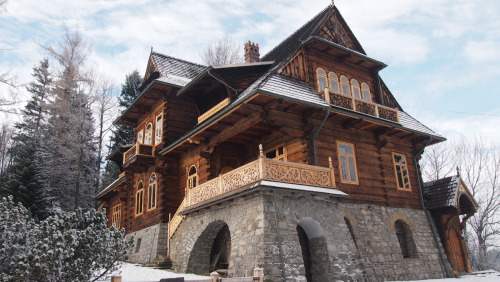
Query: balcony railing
[
  {"x": 261, "y": 169},
  {"x": 361, "y": 106},
  {"x": 138, "y": 150}
]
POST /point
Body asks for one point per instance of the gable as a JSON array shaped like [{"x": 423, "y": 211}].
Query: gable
[
  {"x": 333, "y": 28},
  {"x": 150, "y": 69}
]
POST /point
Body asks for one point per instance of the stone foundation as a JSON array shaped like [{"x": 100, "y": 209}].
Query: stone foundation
[
  {"x": 150, "y": 244},
  {"x": 368, "y": 251}
]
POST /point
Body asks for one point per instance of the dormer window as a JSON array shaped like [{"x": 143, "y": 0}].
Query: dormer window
[
  {"x": 140, "y": 136},
  {"x": 149, "y": 134},
  {"x": 365, "y": 89},
  {"x": 344, "y": 86},
  {"x": 356, "y": 91},
  {"x": 159, "y": 127},
  {"x": 334, "y": 82},
  {"x": 322, "y": 82}
]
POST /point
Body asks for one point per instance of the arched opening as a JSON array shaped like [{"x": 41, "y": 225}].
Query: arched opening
[
  {"x": 192, "y": 177},
  {"x": 405, "y": 239},
  {"x": 313, "y": 246},
  {"x": 212, "y": 249},
  {"x": 466, "y": 204}
]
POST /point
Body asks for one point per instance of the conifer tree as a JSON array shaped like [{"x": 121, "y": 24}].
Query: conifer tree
[{"x": 27, "y": 181}]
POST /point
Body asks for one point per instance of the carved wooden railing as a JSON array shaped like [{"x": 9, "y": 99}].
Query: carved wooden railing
[
  {"x": 262, "y": 169},
  {"x": 176, "y": 220},
  {"x": 138, "y": 150},
  {"x": 361, "y": 106}
]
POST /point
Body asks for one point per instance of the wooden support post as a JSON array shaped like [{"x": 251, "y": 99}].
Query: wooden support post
[
  {"x": 214, "y": 276},
  {"x": 327, "y": 96},
  {"x": 258, "y": 272}
]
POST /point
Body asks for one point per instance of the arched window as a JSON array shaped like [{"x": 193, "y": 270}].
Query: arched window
[
  {"x": 334, "y": 82},
  {"x": 365, "y": 89},
  {"x": 149, "y": 134},
  {"x": 402, "y": 238},
  {"x": 322, "y": 84},
  {"x": 344, "y": 85},
  {"x": 192, "y": 177},
  {"x": 152, "y": 192},
  {"x": 140, "y": 136},
  {"x": 158, "y": 129},
  {"x": 139, "y": 198},
  {"x": 356, "y": 92}
]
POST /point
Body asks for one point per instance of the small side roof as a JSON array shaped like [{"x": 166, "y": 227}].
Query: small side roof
[{"x": 449, "y": 192}]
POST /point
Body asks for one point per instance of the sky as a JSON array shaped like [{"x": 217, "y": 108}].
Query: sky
[{"x": 443, "y": 55}]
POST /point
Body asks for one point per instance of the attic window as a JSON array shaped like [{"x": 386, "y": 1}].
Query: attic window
[
  {"x": 356, "y": 92},
  {"x": 365, "y": 89},
  {"x": 322, "y": 82},
  {"x": 334, "y": 82},
  {"x": 344, "y": 85}
]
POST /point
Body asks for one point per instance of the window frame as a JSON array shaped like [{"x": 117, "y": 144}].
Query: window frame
[
  {"x": 278, "y": 155},
  {"x": 340, "y": 154},
  {"x": 150, "y": 134},
  {"x": 139, "y": 201},
  {"x": 366, "y": 87},
  {"x": 116, "y": 215},
  {"x": 405, "y": 165},
  {"x": 336, "y": 79},
  {"x": 355, "y": 87},
  {"x": 321, "y": 75},
  {"x": 140, "y": 136},
  {"x": 158, "y": 129},
  {"x": 153, "y": 189},
  {"x": 190, "y": 177},
  {"x": 345, "y": 81}
]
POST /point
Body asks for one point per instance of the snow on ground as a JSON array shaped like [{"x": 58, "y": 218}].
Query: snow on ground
[{"x": 135, "y": 273}]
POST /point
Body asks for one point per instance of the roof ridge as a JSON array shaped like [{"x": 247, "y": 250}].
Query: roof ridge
[
  {"x": 175, "y": 58},
  {"x": 299, "y": 29}
]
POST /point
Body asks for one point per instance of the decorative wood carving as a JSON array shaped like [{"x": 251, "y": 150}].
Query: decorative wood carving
[{"x": 214, "y": 110}]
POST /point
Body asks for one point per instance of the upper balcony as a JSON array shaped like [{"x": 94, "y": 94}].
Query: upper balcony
[
  {"x": 361, "y": 106},
  {"x": 138, "y": 155}
]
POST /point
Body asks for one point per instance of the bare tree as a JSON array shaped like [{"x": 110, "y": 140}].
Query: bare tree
[
  {"x": 438, "y": 161},
  {"x": 3, "y": 4},
  {"x": 5, "y": 143},
  {"x": 104, "y": 104},
  {"x": 222, "y": 52}
]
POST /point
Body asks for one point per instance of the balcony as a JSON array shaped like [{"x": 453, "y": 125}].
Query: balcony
[
  {"x": 261, "y": 169},
  {"x": 138, "y": 154},
  {"x": 361, "y": 106}
]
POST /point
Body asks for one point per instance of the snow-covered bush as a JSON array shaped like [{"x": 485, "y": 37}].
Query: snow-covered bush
[{"x": 75, "y": 246}]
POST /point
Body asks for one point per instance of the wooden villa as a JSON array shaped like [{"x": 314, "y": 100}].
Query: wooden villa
[{"x": 301, "y": 162}]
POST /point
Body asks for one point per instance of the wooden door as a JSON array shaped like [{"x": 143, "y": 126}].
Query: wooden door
[{"x": 455, "y": 252}]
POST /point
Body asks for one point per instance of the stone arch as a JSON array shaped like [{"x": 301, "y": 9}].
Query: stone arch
[
  {"x": 314, "y": 248},
  {"x": 212, "y": 245},
  {"x": 405, "y": 239}
]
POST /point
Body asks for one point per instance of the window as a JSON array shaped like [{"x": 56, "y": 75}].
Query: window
[
  {"x": 140, "y": 136},
  {"x": 192, "y": 177},
  {"x": 139, "y": 198},
  {"x": 158, "y": 129},
  {"x": 347, "y": 162},
  {"x": 366, "y": 92},
  {"x": 401, "y": 234},
  {"x": 322, "y": 84},
  {"x": 148, "y": 135},
  {"x": 344, "y": 85},
  {"x": 278, "y": 153},
  {"x": 401, "y": 171},
  {"x": 152, "y": 190},
  {"x": 117, "y": 215},
  {"x": 334, "y": 82},
  {"x": 356, "y": 92}
]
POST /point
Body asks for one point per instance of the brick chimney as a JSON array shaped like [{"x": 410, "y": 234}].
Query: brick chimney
[{"x": 251, "y": 52}]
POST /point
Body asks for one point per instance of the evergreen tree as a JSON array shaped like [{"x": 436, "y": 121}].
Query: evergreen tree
[{"x": 27, "y": 182}]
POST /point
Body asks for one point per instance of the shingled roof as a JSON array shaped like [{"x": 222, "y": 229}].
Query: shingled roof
[
  {"x": 172, "y": 66},
  {"x": 446, "y": 192}
]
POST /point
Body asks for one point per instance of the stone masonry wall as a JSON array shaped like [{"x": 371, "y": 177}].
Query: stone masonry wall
[
  {"x": 254, "y": 221},
  {"x": 152, "y": 246}
]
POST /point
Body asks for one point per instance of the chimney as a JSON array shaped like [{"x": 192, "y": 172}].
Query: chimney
[{"x": 251, "y": 52}]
